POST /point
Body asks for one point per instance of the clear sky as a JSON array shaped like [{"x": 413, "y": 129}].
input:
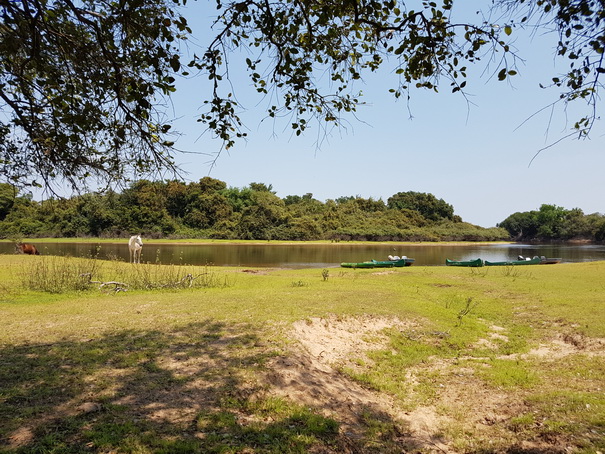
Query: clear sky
[{"x": 475, "y": 158}]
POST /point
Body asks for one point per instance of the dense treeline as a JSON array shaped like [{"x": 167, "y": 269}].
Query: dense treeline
[
  {"x": 552, "y": 222},
  {"x": 211, "y": 209}
]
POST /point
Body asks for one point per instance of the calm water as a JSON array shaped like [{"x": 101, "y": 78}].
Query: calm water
[{"x": 312, "y": 255}]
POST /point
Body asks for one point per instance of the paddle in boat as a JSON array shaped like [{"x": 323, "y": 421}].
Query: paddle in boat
[{"x": 470, "y": 263}]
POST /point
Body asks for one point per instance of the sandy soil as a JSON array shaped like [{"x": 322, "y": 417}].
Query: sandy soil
[{"x": 311, "y": 376}]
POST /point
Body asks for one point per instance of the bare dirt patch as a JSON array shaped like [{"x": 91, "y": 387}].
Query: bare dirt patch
[
  {"x": 310, "y": 377},
  {"x": 336, "y": 339},
  {"x": 462, "y": 403}
]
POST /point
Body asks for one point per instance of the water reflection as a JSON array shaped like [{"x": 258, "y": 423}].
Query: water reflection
[{"x": 314, "y": 255}]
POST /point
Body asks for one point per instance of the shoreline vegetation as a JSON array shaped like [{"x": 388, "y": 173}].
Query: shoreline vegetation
[
  {"x": 188, "y": 359},
  {"x": 209, "y": 209}
]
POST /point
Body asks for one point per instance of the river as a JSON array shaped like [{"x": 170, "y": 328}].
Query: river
[{"x": 306, "y": 255}]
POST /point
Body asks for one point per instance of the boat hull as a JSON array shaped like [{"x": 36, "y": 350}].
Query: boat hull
[
  {"x": 550, "y": 261},
  {"x": 379, "y": 263},
  {"x": 534, "y": 261},
  {"x": 357, "y": 265},
  {"x": 468, "y": 263},
  {"x": 401, "y": 262}
]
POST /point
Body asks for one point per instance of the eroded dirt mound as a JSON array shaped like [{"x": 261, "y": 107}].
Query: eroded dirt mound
[{"x": 310, "y": 376}]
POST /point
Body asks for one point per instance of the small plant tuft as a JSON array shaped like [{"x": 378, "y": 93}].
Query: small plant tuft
[
  {"x": 325, "y": 274},
  {"x": 468, "y": 307}
]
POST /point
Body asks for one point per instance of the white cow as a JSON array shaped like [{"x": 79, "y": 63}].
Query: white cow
[{"x": 135, "y": 245}]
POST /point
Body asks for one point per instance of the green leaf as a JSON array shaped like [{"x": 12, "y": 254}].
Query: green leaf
[{"x": 175, "y": 63}]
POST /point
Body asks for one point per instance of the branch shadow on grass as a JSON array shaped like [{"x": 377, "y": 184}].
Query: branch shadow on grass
[
  {"x": 187, "y": 390},
  {"x": 193, "y": 389}
]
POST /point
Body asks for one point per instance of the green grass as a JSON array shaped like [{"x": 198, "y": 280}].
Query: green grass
[
  {"x": 510, "y": 373},
  {"x": 180, "y": 368}
]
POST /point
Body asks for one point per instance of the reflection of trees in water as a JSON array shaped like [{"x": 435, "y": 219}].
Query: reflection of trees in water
[{"x": 315, "y": 256}]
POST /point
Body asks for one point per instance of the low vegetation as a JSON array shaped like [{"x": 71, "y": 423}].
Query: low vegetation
[
  {"x": 418, "y": 359},
  {"x": 54, "y": 274}
]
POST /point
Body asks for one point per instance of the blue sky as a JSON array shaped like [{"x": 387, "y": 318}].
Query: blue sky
[{"x": 475, "y": 158}]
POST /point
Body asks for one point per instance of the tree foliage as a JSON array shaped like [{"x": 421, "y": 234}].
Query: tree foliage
[
  {"x": 580, "y": 28},
  {"x": 552, "y": 222},
  {"x": 210, "y": 209},
  {"x": 8, "y": 194},
  {"x": 426, "y": 204},
  {"x": 294, "y": 45},
  {"x": 82, "y": 84}
]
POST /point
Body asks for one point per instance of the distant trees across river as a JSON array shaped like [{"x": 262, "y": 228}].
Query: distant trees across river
[
  {"x": 552, "y": 222},
  {"x": 211, "y": 209}
]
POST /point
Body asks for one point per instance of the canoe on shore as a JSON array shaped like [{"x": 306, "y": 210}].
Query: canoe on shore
[
  {"x": 369, "y": 264},
  {"x": 379, "y": 263},
  {"x": 534, "y": 261},
  {"x": 549, "y": 261},
  {"x": 406, "y": 261},
  {"x": 470, "y": 263}
]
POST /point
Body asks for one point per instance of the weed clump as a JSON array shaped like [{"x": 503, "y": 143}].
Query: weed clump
[
  {"x": 67, "y": 274},
  {"x": 60, "y": 274}
]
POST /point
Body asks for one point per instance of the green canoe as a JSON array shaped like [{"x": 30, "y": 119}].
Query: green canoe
[
  {"x": 549, "y": 261},
  {"x": 370, "y": 264},
  {"x": 379, "y": 263},
  {"x": 473, "y": 263},
  {"x": 534, "y": 261},
  {"x": 406, "y": 261}
]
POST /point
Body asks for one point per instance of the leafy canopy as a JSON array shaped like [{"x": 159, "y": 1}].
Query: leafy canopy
[
  {"x": 83, "y": 85},
  {"x": 80, "y": 87}
]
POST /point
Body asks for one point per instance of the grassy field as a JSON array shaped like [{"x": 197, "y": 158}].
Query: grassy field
[{"x": 107, "y": 357}]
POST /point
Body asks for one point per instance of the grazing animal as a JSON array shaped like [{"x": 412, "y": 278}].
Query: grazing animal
[
  {"x": 26, "y": 248},
  {"x": 135, "y": 245}
]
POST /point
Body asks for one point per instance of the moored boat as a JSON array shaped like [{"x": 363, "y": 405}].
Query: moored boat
[
  {"x": 382, "y": 263},
  {"x": 549, "y": 261},
  {"x": 405, "y": 261},
  {"x": 398, "y": 262},
  {"x": 527, "y": 261},
  {"x": 357, "y": 265},
  {"x": 469, "y": 263}
]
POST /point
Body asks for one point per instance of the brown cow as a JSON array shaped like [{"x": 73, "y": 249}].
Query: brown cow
[{"x": 26, "y": 248}]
